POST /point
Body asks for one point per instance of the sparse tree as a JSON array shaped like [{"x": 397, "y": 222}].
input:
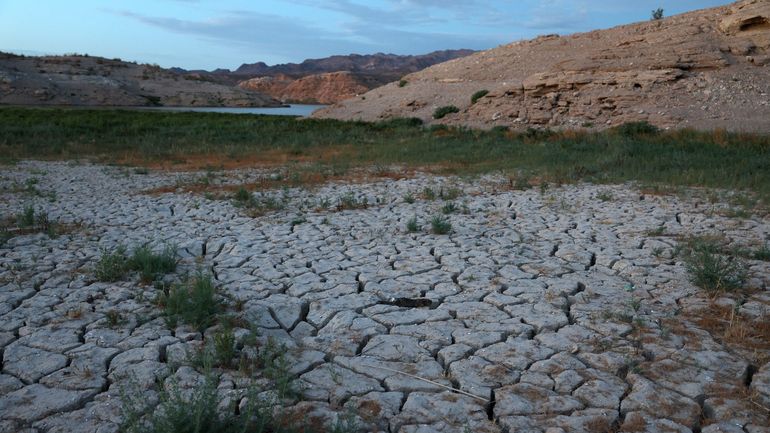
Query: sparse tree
[{"x": 657, "y": 14}]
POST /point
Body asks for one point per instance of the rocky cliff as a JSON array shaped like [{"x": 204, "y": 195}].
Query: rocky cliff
[
  {"x": 336, "y": 78},
  {"x": 703, "y": 69},
  {"x": 325, "y": 88},
  {"x": 95, "y": 81}
]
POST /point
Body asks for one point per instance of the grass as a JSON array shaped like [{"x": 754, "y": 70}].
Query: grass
[
  {"x": 115, "y": 265},
  {"x": 412, "y": 226},
  {"x": 440, "y": 225},
  {"x": 711, "y": 267},
  {"x": 193, "y": 302},
  {"x": 632, "y": 152}
]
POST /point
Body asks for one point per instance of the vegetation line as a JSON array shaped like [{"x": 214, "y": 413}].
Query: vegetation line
[{"x": 632, "y": 152}]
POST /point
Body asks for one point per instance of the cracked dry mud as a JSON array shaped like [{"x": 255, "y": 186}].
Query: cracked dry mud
[{"x": 551, "y": 310}]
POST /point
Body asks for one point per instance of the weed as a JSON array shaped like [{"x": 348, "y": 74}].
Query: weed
[
  {"x": 272, "y": 359},
  {"x": 428, "y": 193},
  {"x": 412, "y": 226},
  {"x": 194, "y": 302},
  {"x": 658, "y": 231},
  {"x": 5, "y": 235},
  {"x": 441, "y": 112},
  {"x": 449, "y": 193},
  {"x": 141, "y": 170},
  {"x": 519, "y": 182},
  {"x": 350, "y": 201},
  {"x": 27, "y": 217},
  {"x": 762, "y": 253},
  {"x": 243, "y": 198},
  {"x": 449, "y": 208},
  {"x": 113, "y": 318},
  {"x": 409, "y": 198},
  {"x": 112, "y": 266},
  {"x": 710, "y": 267},
  {"x": 440, "y": 225},
  {"x": 478, "y": 95},
  {"x": 636, "y": 129},
  {"x": 715, "y": 272},
  {"x": 402, "y": 83},
  {"x": 605, "y": 196},
  {"x": 224, "y": 346},
  {"x": 152, "y": 265},
  {"x": 657, "y": 14}
]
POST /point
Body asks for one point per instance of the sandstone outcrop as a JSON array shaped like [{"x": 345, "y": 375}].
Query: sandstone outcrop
[
  {"x": 703, "y": 69},
  {"x": 325, "y": 88}
]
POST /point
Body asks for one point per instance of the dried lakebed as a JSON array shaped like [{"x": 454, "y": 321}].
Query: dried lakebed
[{"x": 566, "y": 309}]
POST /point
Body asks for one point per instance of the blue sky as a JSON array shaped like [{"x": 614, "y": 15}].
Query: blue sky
[{"x": 207, "y": 34}]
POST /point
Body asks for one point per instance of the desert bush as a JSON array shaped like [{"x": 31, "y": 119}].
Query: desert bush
[
  {"x": 441, "y": 112},
  {"x": 657, "y": 14},
  {"x": 478, "y": 95},
  {"x": 402, "y": 83}
]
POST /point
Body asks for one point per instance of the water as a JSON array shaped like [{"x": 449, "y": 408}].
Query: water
[{"x": 301, "y": 110}]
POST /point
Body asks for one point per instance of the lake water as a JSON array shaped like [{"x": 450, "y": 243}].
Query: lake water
[{"x": 302, "y": 110}]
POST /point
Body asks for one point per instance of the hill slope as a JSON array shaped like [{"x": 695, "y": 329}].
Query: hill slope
[
  {"x": 704, "y": 69},
  {"x": 95, "y": 81}
]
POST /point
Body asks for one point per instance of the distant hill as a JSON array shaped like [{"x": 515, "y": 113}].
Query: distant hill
[
  {"x": 371, "y": 64},
  {"x": 334, "y": 78},
  {"x": 704, "y": 69},
  {"x": 95, "y": 81}
]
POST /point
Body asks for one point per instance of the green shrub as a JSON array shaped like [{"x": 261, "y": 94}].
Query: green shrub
[
  {"x": 402, "y": 83},
  {"x": 478, "y": 95},
  {"x": 193, "y": 303},
  {"x": 412, "y": 226},
  {"x": 27, "y": 217},
  {"x": 762, "y": 253},
  {"x": 440, "y": 225},
  {"x": 709, "y": 266},
  {"x": 112, "y": 266},
  {"x": 441, "y": 112},
  {"x": 151, "y": 265},
  {"x": 636, "y": 129}
]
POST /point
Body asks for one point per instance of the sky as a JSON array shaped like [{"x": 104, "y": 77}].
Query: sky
[{"x": 209, "y": 34}]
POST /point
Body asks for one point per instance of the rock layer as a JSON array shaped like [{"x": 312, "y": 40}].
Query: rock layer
[{"x": 704, "y": 69}]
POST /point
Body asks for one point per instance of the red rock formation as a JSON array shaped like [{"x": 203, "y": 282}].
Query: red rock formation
[{"x": 321, "y": 88}]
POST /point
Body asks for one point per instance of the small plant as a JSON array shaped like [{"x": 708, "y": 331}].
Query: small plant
[
  {"x": 428, "y": 193},
  {"x": 402, "y": 83},
  {"x": 762, "y": 253},
  {"x": 112, "y": 266},
  {"x": 710, "y": 267},
  {"x": 478, "y": 95},
  {"x": 27, "y": 217},
  {"x": 224, "y": 346},
  {"x": 449, "y": 208},
  {"x": 605, "y": 196},
  {"x": 440, "y": 225},
  {"x": 349, "y": 201},
  {"x": 152, "y": 265},
  {"x": 272, "y": 359},
  {"x": 441, "y": 112},
  {"x": 715, "y": 272},
  {"x": 637, "y": 129},
  {"x": 243, "y": 198},
  {"x": 412, "y": 226},
  {"x": 409, "y": 198},
  {"x": 113, "y": 318},
  {"x": 193, "y": 303},
  {"x": 449, "y": 193},
  {"x": 141, "y": 170},
  {"x": 657, "y": 14}
]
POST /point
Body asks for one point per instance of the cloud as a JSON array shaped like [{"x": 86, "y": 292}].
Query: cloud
[{"x": 292, "y": 39}]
